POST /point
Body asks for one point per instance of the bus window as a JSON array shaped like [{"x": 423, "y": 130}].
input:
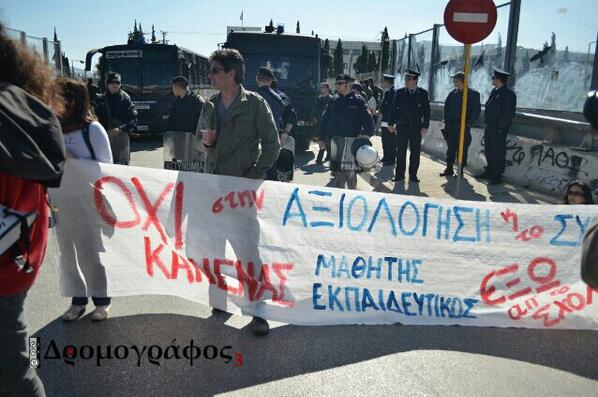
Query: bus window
[{"x": 129, "y": 72}]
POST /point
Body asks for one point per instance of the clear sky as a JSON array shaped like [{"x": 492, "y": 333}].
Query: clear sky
[{"x": 83, "y": 25}]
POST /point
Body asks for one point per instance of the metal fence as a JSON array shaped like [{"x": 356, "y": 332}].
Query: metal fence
[
  {"x": 48, "y": 50},
  {"x": 557, "y": 81}
]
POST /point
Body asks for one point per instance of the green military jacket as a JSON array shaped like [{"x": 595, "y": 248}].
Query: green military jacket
[{"x": 249, "y": 128}]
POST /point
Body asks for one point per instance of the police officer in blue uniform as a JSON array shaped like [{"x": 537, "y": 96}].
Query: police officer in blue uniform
[
  {"x": 499, "y": 113},
  {"x": 409, "y": 119},
  {"x": 345, "y": 116},
  {"x": 452, "y": 121},
  {"x": 264, "y": 78},
  {"x": 389, "y": 140},
  {"x": 289, "y": 115}
]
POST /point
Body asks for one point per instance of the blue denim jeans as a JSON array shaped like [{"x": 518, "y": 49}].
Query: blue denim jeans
[{"x": 82, "y": 301}]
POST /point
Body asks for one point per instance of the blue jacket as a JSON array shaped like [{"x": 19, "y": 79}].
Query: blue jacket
[
  {"x": 289, "y": 115},
  {"x": 275, "y": 102},
  {"x": 346, "y": 116}
]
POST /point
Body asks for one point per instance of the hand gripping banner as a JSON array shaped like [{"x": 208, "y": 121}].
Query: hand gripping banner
[{"x": 312, "y": 255}]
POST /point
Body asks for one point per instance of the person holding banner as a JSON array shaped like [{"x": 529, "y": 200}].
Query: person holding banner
[
  {"x": 346, "y": 117},
  {"x": 409, "y": 119},
  {"x": 452, "y": 121},
  {"x": 234, "y": 124},
  {"x": 85, "y": 139},
  {"x": 32, "y": 159},
  {"x": 185, "y": 110},
  {"x": 499, "y": 113}
]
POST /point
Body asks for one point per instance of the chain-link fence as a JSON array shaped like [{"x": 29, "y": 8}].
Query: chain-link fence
[{"x": 48, "y": 50}]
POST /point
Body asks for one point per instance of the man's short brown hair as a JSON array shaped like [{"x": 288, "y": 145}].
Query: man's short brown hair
[{"x": 230, "y": 59}]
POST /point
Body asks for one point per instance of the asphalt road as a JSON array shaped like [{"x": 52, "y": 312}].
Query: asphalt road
[{"x": 292, "y": 360}]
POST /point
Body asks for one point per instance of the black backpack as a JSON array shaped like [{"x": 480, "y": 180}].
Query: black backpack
[
  {"x": 87, "y": 140},
  {"x": 31, "y": 142}
]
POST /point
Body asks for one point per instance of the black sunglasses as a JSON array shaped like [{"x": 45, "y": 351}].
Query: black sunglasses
[
  {"x": 114, "y": 82},
  {"x": 215, "y": 70}
]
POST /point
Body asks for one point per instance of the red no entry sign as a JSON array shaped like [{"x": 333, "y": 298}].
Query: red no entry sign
[{"x": 470, "y": 21}]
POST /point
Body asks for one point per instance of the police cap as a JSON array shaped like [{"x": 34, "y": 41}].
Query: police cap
[
  {"x": 388, "y": 77},
  {"x": 411, "y": 73},
  {"x": 459, "y": 75},
  {"x": 344, "y": 77},
  {"x": 113, "y": 77},
  {"x": 501, "y": 73}
]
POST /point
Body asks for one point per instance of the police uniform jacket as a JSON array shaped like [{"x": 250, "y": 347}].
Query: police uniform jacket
[
  {"x": 386, "y": 103},
  {"x": 289, "y": 115},
  {"x": 452, "y": 107},
  {"x": 378, "y": 93},
  {"x": 184, "y": 113},
  {"x": 320, "y": 106},
  {"x": 500, "y": 108},
  {"x": 410, "y": 109},
  {"x": 116, "y": 111},
  {"x": 346, "y": 115},
  {"x": 275, "y": 102}
]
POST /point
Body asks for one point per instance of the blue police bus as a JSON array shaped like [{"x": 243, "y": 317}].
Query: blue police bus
[
  {"x": 295, "y": 61},
  {"x": 146, "y": 71}
]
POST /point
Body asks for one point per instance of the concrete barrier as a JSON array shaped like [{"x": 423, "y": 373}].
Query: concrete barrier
[{"x": 530, "y": 163}]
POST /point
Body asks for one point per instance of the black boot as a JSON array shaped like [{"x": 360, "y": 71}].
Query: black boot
[
  {"x": 320, "y": 156},
  {"x": 448, "y": 171},
  {"x": 259, "y": 326},
  {"x": 483, "y": 175}
]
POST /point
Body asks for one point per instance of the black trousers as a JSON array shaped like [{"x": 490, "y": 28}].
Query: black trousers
[
  {"x": 389, "y": 146},
  {"x": 452, "y": 143},
  {"x": 17, "y": 377},
  {"x": 408, "y": 135},
  {"x": 495, "y": 149}
]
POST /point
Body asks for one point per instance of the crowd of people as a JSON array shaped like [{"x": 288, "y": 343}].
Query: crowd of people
[
  {"x": 404, "y": 117},
  {"x": 44, "y": 121}
]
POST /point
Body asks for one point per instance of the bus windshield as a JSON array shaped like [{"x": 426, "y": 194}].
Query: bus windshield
[
  {"x": 157, "y": 75},
  {"x": 154, "y": 76},
  {"x": 129, "y": 71}
]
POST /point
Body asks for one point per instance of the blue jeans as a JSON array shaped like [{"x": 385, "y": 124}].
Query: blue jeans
[
  {"x": 17, "y": 378},
  {"x": 82, "y": 301}
]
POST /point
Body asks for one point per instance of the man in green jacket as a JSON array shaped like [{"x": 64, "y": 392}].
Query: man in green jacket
[
  {"x": 236, "y": 123},
  {"x": 232, "y": 127}
]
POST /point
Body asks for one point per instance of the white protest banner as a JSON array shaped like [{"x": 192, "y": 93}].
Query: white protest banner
[{"x": 315, "y": 255}]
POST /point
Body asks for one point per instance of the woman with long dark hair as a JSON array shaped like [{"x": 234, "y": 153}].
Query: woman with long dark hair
[
  {"x": 82, "y": 271},
  {"x": 578, "y": 192}
]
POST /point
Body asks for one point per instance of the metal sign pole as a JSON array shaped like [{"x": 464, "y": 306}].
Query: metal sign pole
[{"x": 463, "y": 119}]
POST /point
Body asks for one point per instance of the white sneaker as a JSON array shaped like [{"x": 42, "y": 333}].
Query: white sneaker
[
  {"x": 100, "y": 313},
  {"x": 73, "y": 313}
]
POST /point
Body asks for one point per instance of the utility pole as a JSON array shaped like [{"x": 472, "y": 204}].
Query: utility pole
[{"x": 163, "y": 36}]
